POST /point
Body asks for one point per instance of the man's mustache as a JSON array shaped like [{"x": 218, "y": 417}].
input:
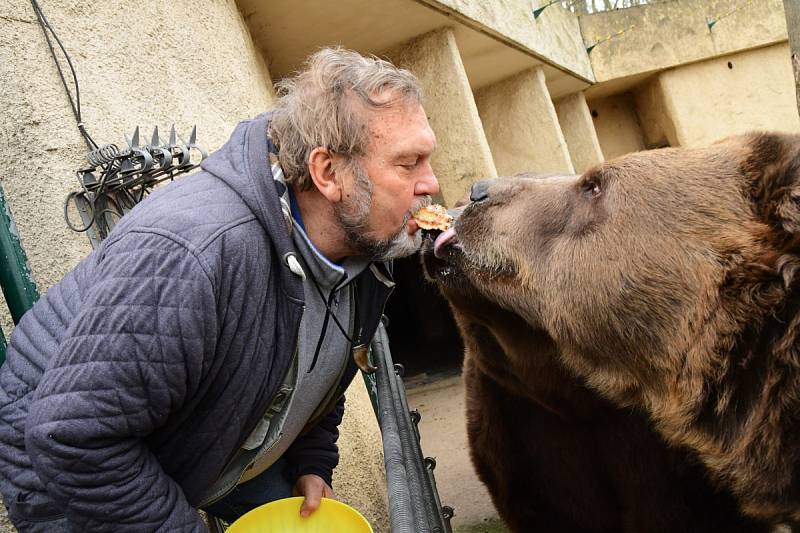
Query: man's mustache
[{"x": 425, "y": 201}]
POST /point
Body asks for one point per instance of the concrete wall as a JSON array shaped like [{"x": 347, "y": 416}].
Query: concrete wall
[
  {"x": 716, "y": 98},
  {"x": 700, "y": 103},
  {"x": 668, "y": 34},
  {"x": 554, "y": 36},
  {"x": 360, "y": 478},
  {"x": 655, "y": 115},
  {"x": 521, "y": 125},
  {"x": 617, "y": 125},
  {"x": 143, "y": 69},
  {"x": 463, "y": 155},
  {"x": 578, "y": 128},
  {"x": 137, "y": 70}
]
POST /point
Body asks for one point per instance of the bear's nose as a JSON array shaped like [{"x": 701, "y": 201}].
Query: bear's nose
[{"x": 479, "y": 191}]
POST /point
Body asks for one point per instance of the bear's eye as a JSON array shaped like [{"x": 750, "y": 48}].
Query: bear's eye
[{"x": 591, "y": 187}]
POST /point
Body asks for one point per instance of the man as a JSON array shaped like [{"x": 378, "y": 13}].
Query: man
[{"x": 197, "y": 359}]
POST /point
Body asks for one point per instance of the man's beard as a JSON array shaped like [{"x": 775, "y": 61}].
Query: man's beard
[{"x": 353, "y": 216}]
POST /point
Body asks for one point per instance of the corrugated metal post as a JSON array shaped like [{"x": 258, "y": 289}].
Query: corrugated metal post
[
  {"x": 414, "y": 505},
  {"x": 16, "y": 280}
]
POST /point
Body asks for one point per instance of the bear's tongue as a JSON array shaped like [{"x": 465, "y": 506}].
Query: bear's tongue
[{"x": 444, "y": 239}]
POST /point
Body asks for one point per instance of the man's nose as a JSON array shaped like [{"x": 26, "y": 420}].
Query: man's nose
[
  {"x": 479, "y": 191},
  {"x": 428, "y": 184}
]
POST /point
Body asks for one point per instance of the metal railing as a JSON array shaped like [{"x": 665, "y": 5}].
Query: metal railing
[
  {"x": 414, "y": 505},
  {"x": 16, "y": 279}
]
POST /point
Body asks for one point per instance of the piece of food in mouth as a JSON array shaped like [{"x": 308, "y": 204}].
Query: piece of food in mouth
[{"x": 433, "y": 217}]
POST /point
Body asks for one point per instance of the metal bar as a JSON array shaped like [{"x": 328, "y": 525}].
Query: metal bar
[
  {"x": 16, "y": 279},
  {"x": 415, "y": 469},
  {"x": 2, "y": 348},
  {"x": 414, "y": 504},
  {"x": 401, "y": 512},
  {"x": 372, "y": 390},
  {"x": 430, "y": 498}
]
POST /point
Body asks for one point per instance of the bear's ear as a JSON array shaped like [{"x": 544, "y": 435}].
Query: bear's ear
[{"x": 772, "y": 167}]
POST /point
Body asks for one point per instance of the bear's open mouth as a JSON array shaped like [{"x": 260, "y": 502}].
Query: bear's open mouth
[
  {"x": 444, "y": 243},
  {"x": 439, "y": 250}
]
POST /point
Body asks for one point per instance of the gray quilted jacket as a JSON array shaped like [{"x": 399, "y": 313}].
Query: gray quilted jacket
[{"x": 133, "y": 381}]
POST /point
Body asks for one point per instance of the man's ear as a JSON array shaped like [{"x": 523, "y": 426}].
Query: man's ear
[
  {"x": 322, "y": 168},
  {"x": 772, "y": 166}
]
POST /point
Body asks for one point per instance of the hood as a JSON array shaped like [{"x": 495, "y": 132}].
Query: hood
[{"x": 243, "y": 164}]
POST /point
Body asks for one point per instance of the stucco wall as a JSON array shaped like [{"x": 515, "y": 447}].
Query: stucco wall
[
  {"x": 521, "y": 125},
  {"x": 655, "y": 116},
  {"x": 713, "y": 99},
  {"x": 616, "y": 125},
  {"x": 702, "y": 102},
  {"x": 668, "y": 34},
  {"x": 137, "y": 65},
  {"x": 463, "y": 155},
  {"x": 578, "y": 129},
  {"x": 555, "y": 36}
]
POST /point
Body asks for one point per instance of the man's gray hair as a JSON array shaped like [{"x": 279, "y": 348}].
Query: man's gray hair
[{"x": 323, "y": 106}]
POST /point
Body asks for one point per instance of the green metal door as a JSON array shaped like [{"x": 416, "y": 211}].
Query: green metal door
[{"x": 16, "y": 279}]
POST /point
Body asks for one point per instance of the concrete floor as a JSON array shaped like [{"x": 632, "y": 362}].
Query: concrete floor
[
  {"x": 444, "y": 437},
  {"x": 5, "y": 524}
]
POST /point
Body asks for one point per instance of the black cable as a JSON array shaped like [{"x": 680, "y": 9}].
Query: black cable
[
  {"x": 328, "y": 307},
  {"x": 70, "y": 225},
  {"x": 328, "y": 313},
  {"x": 321, "y": 338},
  {"x": 75, "y": 104}
]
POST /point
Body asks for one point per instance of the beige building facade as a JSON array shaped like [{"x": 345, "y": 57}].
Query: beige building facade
[
  {"x": 688, "y": 73},
  {"x": 505, "y": 92}
]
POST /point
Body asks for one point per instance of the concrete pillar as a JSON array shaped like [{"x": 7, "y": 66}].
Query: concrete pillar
[
  {"x": 617, "y": 125},
  {"x": 578, "y": 128},
  {"x": 463, "y": 155},
  {"x": 521, "y": 125},
  {"x": 655, "y": 115}
]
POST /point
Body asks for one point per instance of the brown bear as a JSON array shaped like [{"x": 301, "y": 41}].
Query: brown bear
[{"x": 631, "y": 339}]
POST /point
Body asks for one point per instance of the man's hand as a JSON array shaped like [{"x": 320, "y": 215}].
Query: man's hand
[{"x": 313, "y": 488}]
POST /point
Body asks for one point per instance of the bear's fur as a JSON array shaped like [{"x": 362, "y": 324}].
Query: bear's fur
[{"x": 631, "y": 340}]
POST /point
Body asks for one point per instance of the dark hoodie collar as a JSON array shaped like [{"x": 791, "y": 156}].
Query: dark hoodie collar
[{"x": 243, "y": 163}]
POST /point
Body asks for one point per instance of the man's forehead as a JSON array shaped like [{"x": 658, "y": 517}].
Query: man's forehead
[
  {"x": 405, "y": 125},
  {"x": 396, "y": 108},
  {"x": 390, "y": 97},
  {"x": 422, "y": 143}
]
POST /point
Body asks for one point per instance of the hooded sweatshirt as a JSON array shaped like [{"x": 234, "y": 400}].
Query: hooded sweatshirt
[{"x": 133, "y": 382}]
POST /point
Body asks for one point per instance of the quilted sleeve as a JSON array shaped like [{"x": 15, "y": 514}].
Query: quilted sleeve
[
  {"x": 316, "y": 452},
  {"x": 132, "y": 356}
]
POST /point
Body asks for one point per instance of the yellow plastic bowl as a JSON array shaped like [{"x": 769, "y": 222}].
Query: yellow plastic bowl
[{"x": 283, "y": 516}]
